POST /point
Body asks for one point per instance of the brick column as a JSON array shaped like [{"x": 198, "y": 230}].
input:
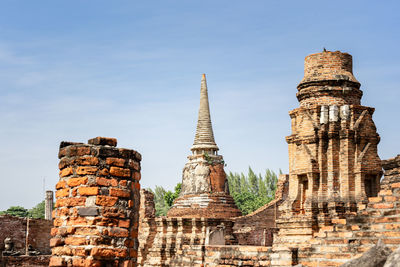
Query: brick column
[{"x": 97, "y": 205}]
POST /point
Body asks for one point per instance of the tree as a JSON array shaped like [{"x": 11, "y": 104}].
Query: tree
[
  {"x": 159, "y": 202},
  {"x": 171, "y": 196},
  {"x": 15, "y": 211},
  {"x": 164, "y": 199},
  {"x": 252, "y": 191},
  {"x": 37, "y": 211}
]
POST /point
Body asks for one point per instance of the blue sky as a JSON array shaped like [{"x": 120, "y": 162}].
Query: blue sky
[{"x": 73, "y": 70}]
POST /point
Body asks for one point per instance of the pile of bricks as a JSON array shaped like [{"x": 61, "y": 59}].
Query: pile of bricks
[{"x": 97, "y": 205}]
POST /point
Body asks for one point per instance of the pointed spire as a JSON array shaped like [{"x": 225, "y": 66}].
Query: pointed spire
[{"x": 204, "y": 138}]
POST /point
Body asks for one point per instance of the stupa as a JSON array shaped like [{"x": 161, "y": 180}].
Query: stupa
[{"x": 205, "y": 191}]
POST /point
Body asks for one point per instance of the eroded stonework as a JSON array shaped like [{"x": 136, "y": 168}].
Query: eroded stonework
[{"x": 205, "y": 191}]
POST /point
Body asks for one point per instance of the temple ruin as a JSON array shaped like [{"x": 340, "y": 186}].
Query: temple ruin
[{"x": 332, "y": 207}]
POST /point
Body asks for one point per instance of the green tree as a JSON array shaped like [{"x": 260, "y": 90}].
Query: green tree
[
  {"x": 252, "y": 191},
  {"x": 169, "y": 196},
  {"x": 37, "y": 211},
  {"x": 15, "y": 211},
  {"x": 164, "y": 199},
  {"x": 159, "y": 202}
]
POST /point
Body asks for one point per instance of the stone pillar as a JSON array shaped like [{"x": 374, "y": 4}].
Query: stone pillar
[
  {"x": 97, "y": 205},
  {"x": 48, "y": 205}
]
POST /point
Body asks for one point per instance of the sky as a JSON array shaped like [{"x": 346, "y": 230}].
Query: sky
[{"x": 74, "y": 70}]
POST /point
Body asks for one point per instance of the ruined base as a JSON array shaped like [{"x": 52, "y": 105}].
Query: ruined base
[{"x": 215, "y": 205}]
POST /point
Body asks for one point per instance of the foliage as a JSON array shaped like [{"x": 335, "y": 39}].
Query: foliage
[
  {"x": 38, "y": 211},
  {"x": 159, "y": 202},
  {"x": 252, "y": 191},
  {"x": 15, "y": 211},
  {"x": 171, "y": 196},
  {"x": 164, "y": 199}
]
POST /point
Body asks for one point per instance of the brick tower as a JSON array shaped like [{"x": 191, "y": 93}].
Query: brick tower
[
  {"x": 205, "y": 190},
  {"x": 333, "y": 162}
]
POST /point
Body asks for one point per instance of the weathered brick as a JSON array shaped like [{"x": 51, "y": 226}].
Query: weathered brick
[
  {"x": 120, "y": 172},
  {"x": 62, "y": 193},
  {"x": 86, "y": 170},
  {"x": 75, "y": 241},
  {"x": 119, "y": 192},
  {"x": 88, "y": 191},
  {"x": 119, "y": 162},
  {"x": 61, "y": 184},
  {"x": 106, "y": 201},
  {"x": 66, "y": 172},
  {"x": 72, "y": 182},
  {"x": 109, "y": 253}
]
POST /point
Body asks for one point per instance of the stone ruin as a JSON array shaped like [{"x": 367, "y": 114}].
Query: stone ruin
[{"x": 332, "y": 209}]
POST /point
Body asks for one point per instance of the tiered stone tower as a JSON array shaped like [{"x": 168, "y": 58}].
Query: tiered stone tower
[
  {"x": 205, "y": 190},
  {"x": 333, "y": 162}
]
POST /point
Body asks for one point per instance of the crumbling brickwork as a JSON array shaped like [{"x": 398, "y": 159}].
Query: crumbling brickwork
[
  {"x": 97, "y": 205},
  {"x": 15, "y": 228},
  {"x": 332, "y": 212},
  {"x": 175, "y": 241},
  {"x": 258, "y": 227}
]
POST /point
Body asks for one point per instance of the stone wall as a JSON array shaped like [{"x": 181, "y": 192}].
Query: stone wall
[
  {"x": 258, "y": 227},
  {"x": 97, "y": 206},
  {"x": 15, "y": 228}
]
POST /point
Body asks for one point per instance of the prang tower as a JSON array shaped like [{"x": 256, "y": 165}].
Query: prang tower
[
  {"x": 205, "y": 190},
  {"x": 333, "y": 161}
]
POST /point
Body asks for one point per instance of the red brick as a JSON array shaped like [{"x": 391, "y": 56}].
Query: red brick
[
  {"x": 62, "y": 193},
  {"x": 88, "y": 191},
  {"x": 106, "y": 182},
  {"x": 86, "y": 160},
  {"x": 55, "y": 242},
  {"x": 119, "y": 192},
  {"x": 120, "y": 172},
  {"x": 103, "y": 141},
  {"x": 124, "y": 223},
  {"x": 57, "y": 262},
  {"x": 77, "y": 181},
  {"x": 115, "y": 162},
  {"x": 104, "y": 172},
  {"x": 395, "y": 185},
  {"x": 118, "y": 232},
  {"x": 383, "y": 206},
  {"x": 68, "y": 202},
  {"x": 61, "y": 184},
  {"x": 75, "y": 241},
  {"x": 86, "y": 170},
  {"x": 61, "y": 251},
  {"x": 137, "y": 176},
  {"x": 79, "y": 252},
  {"x": 106, "y": 201},
  {"x": 109, "y": 253},
  {"x": 66, "y": 172}
]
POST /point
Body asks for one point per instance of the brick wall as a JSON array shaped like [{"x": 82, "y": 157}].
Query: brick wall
[
  {"x": 26, "y": 261},
  {"x": 257, "y": 228},
  {"x": 97, "y": 207},
  {"x": 15, "y": 228},
  {"x": 174, "y": 241}
]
